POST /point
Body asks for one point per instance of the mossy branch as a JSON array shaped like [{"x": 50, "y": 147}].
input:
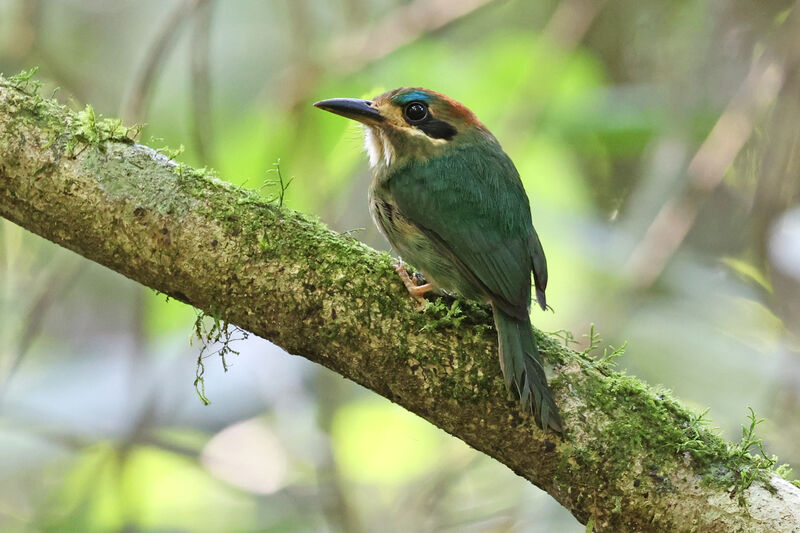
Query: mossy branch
[{"x": 632, "y": 459}]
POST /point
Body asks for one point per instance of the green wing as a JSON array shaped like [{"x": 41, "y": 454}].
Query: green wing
[{"x": 471, "y": 204}]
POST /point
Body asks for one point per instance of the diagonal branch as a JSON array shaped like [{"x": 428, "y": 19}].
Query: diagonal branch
[{"x": 632, "y": 459}]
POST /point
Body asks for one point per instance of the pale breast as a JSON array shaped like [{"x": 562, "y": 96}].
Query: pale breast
[{"x": 415, "y": 247}]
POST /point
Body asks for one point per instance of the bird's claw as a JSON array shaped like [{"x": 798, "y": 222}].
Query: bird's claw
[
  {"x": 416, "y": 291},
  {"x": 419, "y": 279}
]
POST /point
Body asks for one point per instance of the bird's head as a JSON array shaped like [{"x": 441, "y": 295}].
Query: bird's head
[{"x": 410, "y": 123}]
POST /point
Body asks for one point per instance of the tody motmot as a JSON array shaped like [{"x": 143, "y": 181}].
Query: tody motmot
[{"x": 451, "y": 203}]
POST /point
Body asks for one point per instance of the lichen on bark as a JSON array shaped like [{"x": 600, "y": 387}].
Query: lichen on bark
[{"x": 632, "y": 458}]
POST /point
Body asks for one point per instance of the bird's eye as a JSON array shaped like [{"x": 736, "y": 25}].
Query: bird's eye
[{"x": 416, "y": 111}]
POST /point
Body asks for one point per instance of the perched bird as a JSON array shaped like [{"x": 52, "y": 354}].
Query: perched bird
[{"x": 450, "y": 201}]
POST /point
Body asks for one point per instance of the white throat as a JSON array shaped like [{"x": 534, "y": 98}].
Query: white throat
[{"x": 378, "y": 147}]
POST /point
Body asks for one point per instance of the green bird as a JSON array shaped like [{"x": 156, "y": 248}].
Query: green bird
[{"x": 451, "y": 203}]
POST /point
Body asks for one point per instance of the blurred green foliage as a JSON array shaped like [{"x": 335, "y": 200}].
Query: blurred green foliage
[{"x": 381, "y": 444}]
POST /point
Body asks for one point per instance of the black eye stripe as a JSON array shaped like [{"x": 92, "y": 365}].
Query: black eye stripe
[
  {"x": 438, "y": 129},
  {"x": 417, "y": 114}
]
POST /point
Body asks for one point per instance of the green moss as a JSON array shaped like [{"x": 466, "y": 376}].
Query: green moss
[
  {"x": 438, "y": 314},
  {"x": 657, "y": 429},
  {"x": 171, "y": 153},
  {"x": 216, "y": 337},
  {"x": 90, "y": 128},
  {"x": 280, "y": 184},
  {"x": 29, "y": 106},
  {"x": 648, "y": 423},
  {"x": 24, "y": 81},
  {"x": 82, "y": 127},
  {"x": 205, "y": 172}
]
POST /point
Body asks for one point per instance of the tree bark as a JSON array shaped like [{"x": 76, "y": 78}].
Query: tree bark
[{"x": 632, "y": 458}]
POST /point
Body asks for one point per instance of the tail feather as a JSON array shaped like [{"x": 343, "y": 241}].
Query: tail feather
[
  {"x": 523, "y": 371},
  {"x": 541, "y": 299}
]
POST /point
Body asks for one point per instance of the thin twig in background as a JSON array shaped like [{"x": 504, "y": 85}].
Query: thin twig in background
[
  {"x": 136, "y": 101},
  {"x": 429, "y": 494},
  {"x": 302, "y": 72},
  {"x": 354, "y": 14},
  {"x": 709, "y": 165},
  {"x": 25, "y": 29},
  {"x": 398, "y": 28},
  {"x": 340, "y": 513},
  {"x": 570, "y": 22},
  {"x": 564, "y": 31},
  {"x": 26, "y": 48},
  {"x": 60, "y": 280},
  {"x": 201, "y": 117}
]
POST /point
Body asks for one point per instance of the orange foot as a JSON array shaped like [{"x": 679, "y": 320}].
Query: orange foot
[{"x": 416, "y": 291}]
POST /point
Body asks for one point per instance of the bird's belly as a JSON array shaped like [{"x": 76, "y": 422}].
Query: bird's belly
[{"x": 415, "y": 248}]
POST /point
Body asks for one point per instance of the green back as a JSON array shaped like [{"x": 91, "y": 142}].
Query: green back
[{"x": 470, "y": 201}]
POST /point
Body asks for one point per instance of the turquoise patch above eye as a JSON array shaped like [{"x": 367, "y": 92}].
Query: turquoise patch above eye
[{"x": 418, "y": 96}]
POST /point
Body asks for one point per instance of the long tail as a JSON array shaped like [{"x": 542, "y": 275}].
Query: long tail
[{"x": 522, "y": 369}]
